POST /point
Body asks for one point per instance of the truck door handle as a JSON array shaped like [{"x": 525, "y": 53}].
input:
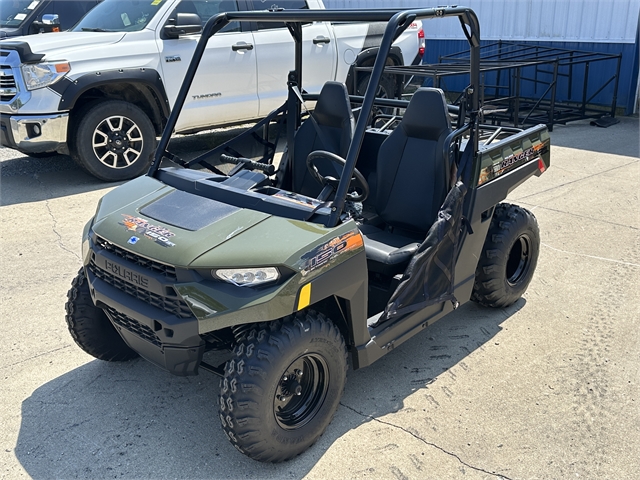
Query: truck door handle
[
  {"x": 321, "y": 39},
  {"x": 242, "y": 46}
]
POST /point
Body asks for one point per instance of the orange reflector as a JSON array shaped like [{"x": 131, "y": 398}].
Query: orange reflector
[
  {"x": 62, "y": 68},
  {"x": 55, "y": 29}
]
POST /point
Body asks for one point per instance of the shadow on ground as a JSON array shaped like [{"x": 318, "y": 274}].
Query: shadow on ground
[
  {"x": 133, "y": 420},
  {"x": 25, "y": 179}
]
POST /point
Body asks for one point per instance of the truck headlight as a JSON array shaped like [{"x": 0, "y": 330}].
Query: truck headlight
[
  {"x": 248, "y": 277},
  {"x": 41, "y": 75}
]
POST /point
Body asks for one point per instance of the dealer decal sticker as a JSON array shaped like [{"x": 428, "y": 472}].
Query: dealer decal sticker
[
  {"x": 141, "y": 227},
  {"x": 325, "y": 253}
]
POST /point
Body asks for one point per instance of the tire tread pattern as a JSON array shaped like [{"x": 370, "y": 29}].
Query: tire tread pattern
[{"x": 249, "y": 376}]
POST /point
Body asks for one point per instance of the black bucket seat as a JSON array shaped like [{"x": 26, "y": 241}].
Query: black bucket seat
[
  {"x": 412, "y": 182},
  {"x": 333, "y": 131}
]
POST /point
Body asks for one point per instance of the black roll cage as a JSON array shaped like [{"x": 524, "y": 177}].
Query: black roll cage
[{"x": 397, "y": 22}]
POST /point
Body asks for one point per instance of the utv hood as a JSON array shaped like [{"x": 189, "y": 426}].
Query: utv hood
[{"x": 168, "y": 225}]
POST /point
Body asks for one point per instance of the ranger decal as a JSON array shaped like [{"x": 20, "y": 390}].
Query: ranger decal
[
  {"x": 511, "y": 162},
  {"x": 158, "y": 234}
]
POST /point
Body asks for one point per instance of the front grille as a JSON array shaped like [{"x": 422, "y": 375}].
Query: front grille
[
  {"x": 156, "y": 267},
  {"x": 133, "y": 326},
  {"x": 170, "y": 304},
  {"x": 7, "y": 84}
]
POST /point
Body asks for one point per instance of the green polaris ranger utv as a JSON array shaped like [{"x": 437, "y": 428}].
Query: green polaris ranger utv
[{"x": 371, "y": 227}]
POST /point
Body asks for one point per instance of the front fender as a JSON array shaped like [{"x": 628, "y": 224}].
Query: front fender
[{"x": 71, "y": 90}]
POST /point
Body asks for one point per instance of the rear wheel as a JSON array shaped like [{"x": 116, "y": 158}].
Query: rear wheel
[
  {"x": 283, "y": 386},
  {"x": 509, "y": 257},
  {"x": 90, "y": 327},
  {"x": 114, "y": 140}
]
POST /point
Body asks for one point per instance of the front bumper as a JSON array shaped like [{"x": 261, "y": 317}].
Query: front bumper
[
  {"x": 35, "y": 133},
  {"x": 144, "y": 309}
]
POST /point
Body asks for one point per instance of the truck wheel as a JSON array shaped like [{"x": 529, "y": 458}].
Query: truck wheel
[
  {"x": 90, "y": 327},
  {"x": 114, "y": 140},
  {"x": 508, "y": 258},
  {"x": 283, "y": 386},
  {"x": 386, "y": 88}
]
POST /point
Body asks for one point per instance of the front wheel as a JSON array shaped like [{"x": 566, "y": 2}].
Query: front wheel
[
  {"x": 113, "y": 140},
  {"x": 509, "y": 257},
  {"x": 283, "y": 386}
]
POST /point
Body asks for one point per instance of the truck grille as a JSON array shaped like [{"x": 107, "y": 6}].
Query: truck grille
[
  {"x": 169, "y": 304},
  {"x": 133, "y": 326},
  {"x": 7, "y": 84},
  {"x": 166, "y": 270}
]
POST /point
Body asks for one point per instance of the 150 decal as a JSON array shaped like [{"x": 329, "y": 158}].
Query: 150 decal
[{"x": 323, "y": 254}]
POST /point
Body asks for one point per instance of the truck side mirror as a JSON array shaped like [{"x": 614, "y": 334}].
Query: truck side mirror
[
  {"x": 50, "y": 23},
  {"x": 183, "y": 24},
  {"x": 50, "y": 19}
]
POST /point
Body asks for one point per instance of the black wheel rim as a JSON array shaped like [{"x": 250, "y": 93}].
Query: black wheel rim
[
  {"x": 117, "y": 142},
  {"x": 301, "y": 391},
  {"x": 519, "y": 260}
]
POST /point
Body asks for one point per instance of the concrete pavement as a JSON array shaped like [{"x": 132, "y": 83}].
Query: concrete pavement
[{"x": 545, "y": 389}]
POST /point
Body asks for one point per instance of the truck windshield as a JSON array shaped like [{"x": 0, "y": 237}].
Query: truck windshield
[
  {"x": 119, "y": 16},
  {"x": 14, "y": 12}
]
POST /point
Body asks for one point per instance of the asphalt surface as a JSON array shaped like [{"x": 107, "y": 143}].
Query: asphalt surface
[{"x": 545, "y": 389}]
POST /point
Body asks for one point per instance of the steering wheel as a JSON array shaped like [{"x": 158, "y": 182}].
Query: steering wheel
[{"x": 333, "y": 182}]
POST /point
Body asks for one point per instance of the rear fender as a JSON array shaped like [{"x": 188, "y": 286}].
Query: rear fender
[{"x": 508, "y": 163}]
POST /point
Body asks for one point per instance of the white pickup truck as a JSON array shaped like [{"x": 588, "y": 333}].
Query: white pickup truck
[{"x": 103, "y": 90}]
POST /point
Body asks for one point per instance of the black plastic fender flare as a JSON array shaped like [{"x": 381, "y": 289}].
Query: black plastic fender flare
[
  {"x": 70, "y": 90},
  {"x": 395, "y": 53}
]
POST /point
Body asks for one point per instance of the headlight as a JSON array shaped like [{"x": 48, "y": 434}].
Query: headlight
[
  {"x": 248, "y": 277},
  {"x": 41, "y": 75}
]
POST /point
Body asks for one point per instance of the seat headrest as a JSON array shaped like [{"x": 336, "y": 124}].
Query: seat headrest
[
  {"x": 427, "y": 115},
  {"x": 333, "y": 107}
]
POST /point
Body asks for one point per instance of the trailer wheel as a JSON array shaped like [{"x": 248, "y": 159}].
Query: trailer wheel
[
  {"x": 114, "y": 140},
  {"x": 509, "y": 257},
  {"x": 283, "y": 386},
  {"x": 90, "y": 327}
]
